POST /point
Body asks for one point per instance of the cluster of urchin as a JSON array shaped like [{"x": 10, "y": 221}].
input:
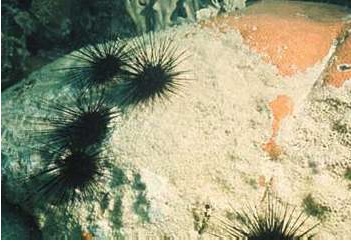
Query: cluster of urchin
[
  {"x": 140, "y": 73},
  {"x": 137, "y": 73}
]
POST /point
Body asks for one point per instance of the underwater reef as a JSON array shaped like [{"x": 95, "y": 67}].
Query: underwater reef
[{"x": 174, "y": 133}]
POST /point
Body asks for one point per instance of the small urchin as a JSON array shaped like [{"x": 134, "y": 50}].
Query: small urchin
[
  {"x": 277, "y": 221},
  {"x": 87, "y": 121},
  {"x": 99, "y": 64},
  {"x": 153, "y": 71},
  {"x": 70, "y": 177}
]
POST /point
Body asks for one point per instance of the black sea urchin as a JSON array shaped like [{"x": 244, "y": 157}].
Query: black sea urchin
[
  {"x": 277, "y": 222},
  {"x": 99, "y": 64},
  {"x": 153, "y": 71},
  {"x": 86, "y": 122},
  {"x": 74, "y": 176}
]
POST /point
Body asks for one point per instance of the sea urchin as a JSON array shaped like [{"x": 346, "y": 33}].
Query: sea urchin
[
  {"x": 75, "y": 176},
  {"x": 277, "y": 222},
  {"x": 153, "y": 71},
  {"x": 99, "y": 64},
  {"x": 85, "y": 123}
]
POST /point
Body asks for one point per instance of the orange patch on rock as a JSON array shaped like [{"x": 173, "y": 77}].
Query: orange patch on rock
[
  {"x": 336, "y": 77},
  {"x": 292, "y": 43},
  {"x": 281, "y": 107},
  {"x": 273, "y": 149}
]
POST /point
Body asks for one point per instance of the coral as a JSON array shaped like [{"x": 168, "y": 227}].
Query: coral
[
  {"x": 228, "y": 5},
  {"x": 152, "y": 15},
  {"x": 146, "y": 17}
]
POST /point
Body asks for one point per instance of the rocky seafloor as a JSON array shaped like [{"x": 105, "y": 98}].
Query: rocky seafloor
[{"x": 238, "y": 127}]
